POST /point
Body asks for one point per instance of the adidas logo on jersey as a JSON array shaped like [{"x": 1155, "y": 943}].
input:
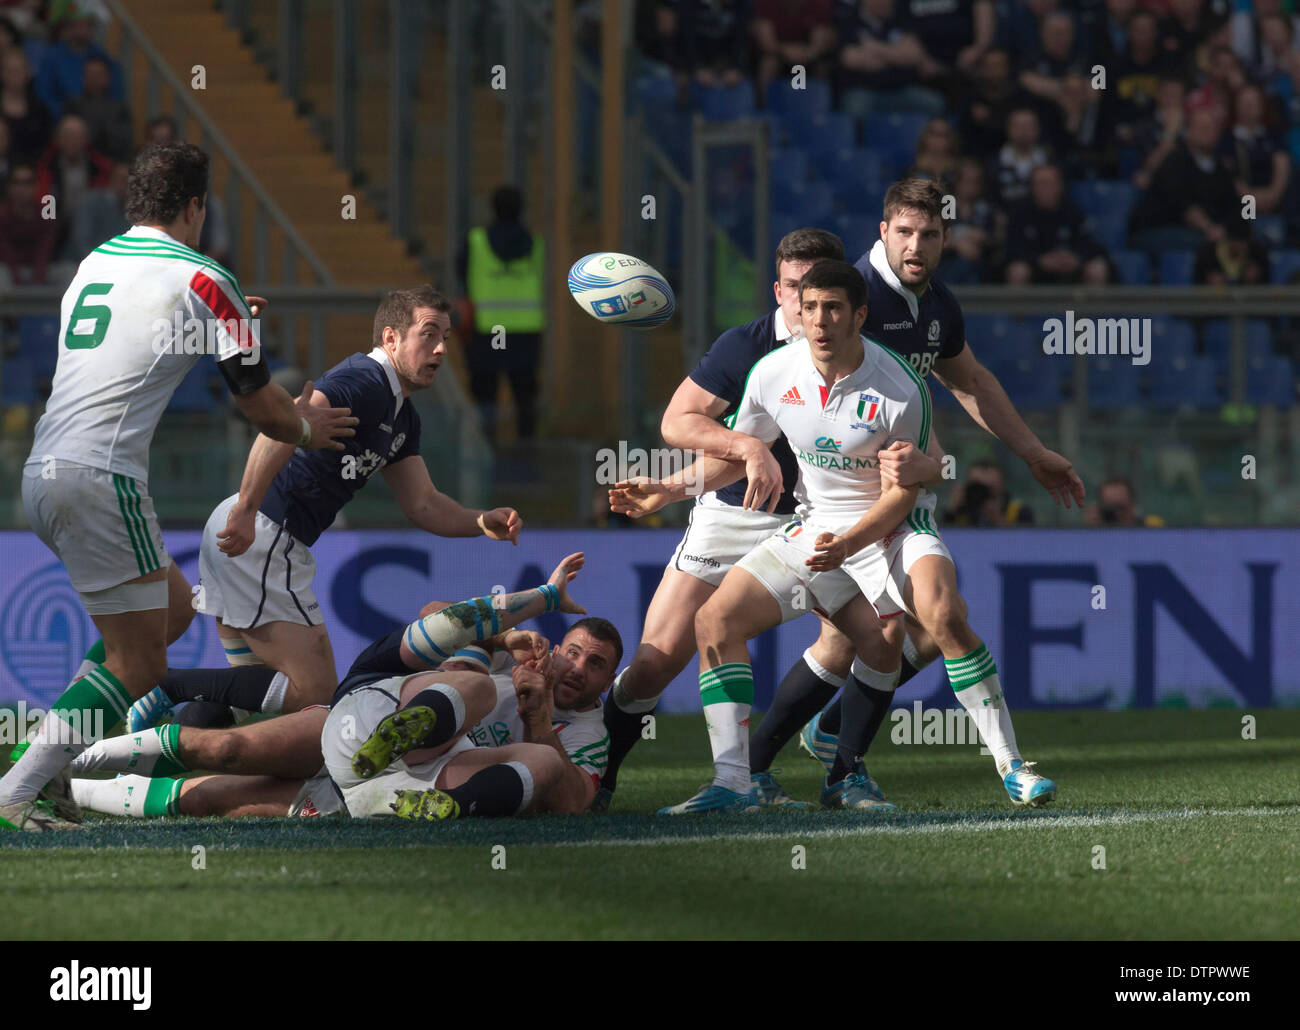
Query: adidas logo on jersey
[{"x": 791, "y": 396}]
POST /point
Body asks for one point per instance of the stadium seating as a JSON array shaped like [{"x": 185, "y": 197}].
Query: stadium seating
[
  {"x": 1133, "y": 267},
  {"x": 825, "y": 136},
  {"x": 193, "y": 393},
  {"x": 1270, "y": 380},
  {"x": 858, "y": 233},
  {"x": 1172, "y": 338},
  {"x": 17, "y": 381},
  {"x": 894, "y": 137},
  {"x": 1282, "y": 265},
  {"x": 1218, "y": 338},
  {"x": 1184, "y": 382},
  {"x": 725, "y": 103},
  {"x": 812, "y": 203},
  {"x": 1102, "y": 196},
  {"x": 789, "y": 164},
  {"x": 1109, "y": 228},
  {"x": 1112, "y": 382},
  {"x": 813, "y": 99},
  {"x": 1177, "y": 268},
  {"x": 38, "y": 343}
]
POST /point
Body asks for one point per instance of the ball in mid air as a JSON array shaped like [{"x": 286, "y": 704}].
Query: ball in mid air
[{"x": 621, "y": 290}]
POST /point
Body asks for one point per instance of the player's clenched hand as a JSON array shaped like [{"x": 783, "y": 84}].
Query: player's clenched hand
[
  {"x": 638, "y": 497},
  {"x": 831, "y": 552},
  {"x": 501, "y": 524},
  {"x": 902, "y": 463},
  {"x": 525, "y": 645},
  {"x": 328, "y": 425},
  {"x": 1058, "y": 478},
  {"x": 239, "y": 533},
  {"x": 533, "y": 686},
  {"x": 256, "y": 305},
  {"x": 763, "y": 472},
  {"x": 565, "y": 573}
]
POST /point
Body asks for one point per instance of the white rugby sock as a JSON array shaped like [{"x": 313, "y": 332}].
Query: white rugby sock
[
  {"x": 974, "y": 679},
  {"x": 727, "y": 694},
  {"x": 139, "y": 796},
  {"x": 273, "y": 703},
  {"x": 151, "y": 752}
]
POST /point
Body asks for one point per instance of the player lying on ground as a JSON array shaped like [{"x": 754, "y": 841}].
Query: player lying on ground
[
  {"x": 132, "y": 304},
  {"x": 288, "y": 498},
  {"x": 858, "y": 539},
  {"x": 278, "y": 761}
]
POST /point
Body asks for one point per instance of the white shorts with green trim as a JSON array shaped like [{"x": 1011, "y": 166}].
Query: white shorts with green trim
[
  {"x": 270, "y": 582},
  {"x": 877, "y": 572},
  {"x": 351, "y": 721},
  {"x": 719, "y": 535},
  {"x": 100, "y": 524},
  {"x": 319, "y": 796}
]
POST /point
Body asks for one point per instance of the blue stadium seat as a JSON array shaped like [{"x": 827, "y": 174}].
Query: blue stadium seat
[
  {"x": 781, "y": 223},
  {"x": 824, "y": 136},
  {"x": 1113, "y": 382},
  {"x": 894, "y": 137},
  {"x": 654, "y": 92},
  {"x": 1110, "y": 229},
  {"x": 811, "y": 202},
  {"x": 1271, "y": 381},
  {"x": 814, "y": 99},
  {"x": 859, "y": 233},
  {"x": 1259, "y": 340},
  {"x": 192, "y": 394},
  {"x": 854, "y": 171},
  {"x": 725, "y": 103},
  {"x": 1177, "y": 267},
  {"x": 1185, "y": 381},
  {"x": 789, "y": 164},
  {"x": 38, "y": 342},
  {"x": 17, "y": 381},
  {"x": 989, "y": 336},
  {"x": 1099, "y": 196},
  {"x": 1218, "y": 339},
  {"x": 1172, "y": 338},
  {"x": 1282, "y": 264},
  {"x": 1133, "y": 266},
  {"x": 1032, "y": 382}
]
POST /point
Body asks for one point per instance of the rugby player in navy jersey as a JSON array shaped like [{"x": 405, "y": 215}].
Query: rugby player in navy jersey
[
  {"x": 726, "y": 524},
  {"x": 917, "y": 317},
  {"x": 255, "y": 566}
]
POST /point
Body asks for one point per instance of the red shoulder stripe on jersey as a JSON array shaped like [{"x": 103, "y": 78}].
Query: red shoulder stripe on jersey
[{"x": 212, "y": 295}]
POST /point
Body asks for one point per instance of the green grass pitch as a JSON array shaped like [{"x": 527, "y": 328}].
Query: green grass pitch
[{"x": 1200, "y": 830}]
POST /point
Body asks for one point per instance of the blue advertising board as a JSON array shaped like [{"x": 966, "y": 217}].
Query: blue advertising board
[{"x": 1196, "y": 617}]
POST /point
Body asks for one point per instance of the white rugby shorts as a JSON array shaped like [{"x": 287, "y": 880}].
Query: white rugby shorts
[
  {"x": 270, "y": 582},
  {"x": 101, "y": 525},
  {"x": 351, "y": 721},
  {"x": 718, "y": 536}
]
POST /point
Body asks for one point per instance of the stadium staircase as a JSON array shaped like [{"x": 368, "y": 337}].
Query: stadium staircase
[{"x": 291, "y": 163}]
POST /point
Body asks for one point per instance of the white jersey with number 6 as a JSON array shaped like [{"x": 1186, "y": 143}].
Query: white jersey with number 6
[{"x": 142, "y": 309}]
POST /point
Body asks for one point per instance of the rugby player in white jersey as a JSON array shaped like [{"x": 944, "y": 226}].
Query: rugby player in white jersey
[
  {"x": 123, "y": 349},
  {"x": 538, "y": 715},
  {"x": 857, "y": 539}
]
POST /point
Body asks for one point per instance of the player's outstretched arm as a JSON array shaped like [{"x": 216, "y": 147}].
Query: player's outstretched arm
[
  {"x": 303, "y": 422},
  {"x": 691, "y": 422},
  {"x": 979, "y": 392},
  {"x": 437, "y": 635},
  {"x": 434, "y": 512},
  {"x": 641, "y": 495}
]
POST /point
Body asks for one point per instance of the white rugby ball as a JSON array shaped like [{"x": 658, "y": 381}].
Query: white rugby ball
[{"x": 621, "y": 290}]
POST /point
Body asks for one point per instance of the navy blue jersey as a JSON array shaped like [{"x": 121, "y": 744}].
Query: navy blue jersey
[
  {"x": 723, "y": 371},
  {"x": 380, "y": 661},
  {"x": 922, "y": 328},
  {"x": 309, "y": 491}
]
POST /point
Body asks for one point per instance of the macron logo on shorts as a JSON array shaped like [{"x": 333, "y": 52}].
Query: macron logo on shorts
[{"x": 791, "y": 396}]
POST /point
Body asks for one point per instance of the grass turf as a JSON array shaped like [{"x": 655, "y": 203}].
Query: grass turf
[{"x": 1201, "y": 831}]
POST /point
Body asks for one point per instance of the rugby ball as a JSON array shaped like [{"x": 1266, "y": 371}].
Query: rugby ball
[{"x": 621, "y": 290}]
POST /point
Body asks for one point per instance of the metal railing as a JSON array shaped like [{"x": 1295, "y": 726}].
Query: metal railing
[{"x": 159, "y": 75}]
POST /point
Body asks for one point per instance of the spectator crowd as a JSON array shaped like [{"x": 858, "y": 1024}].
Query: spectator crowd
[
  {"x": 1083, "y": 140},
  {"x": 66, "y": 143}
]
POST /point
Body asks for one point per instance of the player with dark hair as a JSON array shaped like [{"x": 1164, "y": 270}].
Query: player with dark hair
[
  {"x": 725, "y": 524},
  {"x": 917, "y": 317},
  {"x": 547, "y": 758},
  {"x": 255, "y": 562},
  {"x": 85, "y": 483}
]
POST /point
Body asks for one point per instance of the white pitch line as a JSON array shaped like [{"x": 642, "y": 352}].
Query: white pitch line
[{"x": 971, "y": 826}]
